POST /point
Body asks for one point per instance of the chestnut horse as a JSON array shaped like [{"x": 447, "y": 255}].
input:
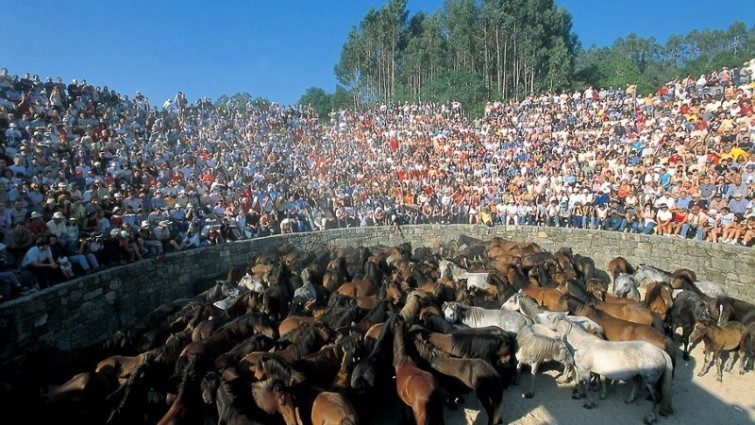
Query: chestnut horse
[
  {"x": 659, "y": 298},
  {"x": 549, "y": 298},
  {"x": 417, "y": 388},
  {"x": 617, "y": 265}
]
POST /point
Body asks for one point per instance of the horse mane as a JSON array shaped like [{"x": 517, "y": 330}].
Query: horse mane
[
  {"x": 575, "y": 304},
  {"x": 425, "y": 349},
  {"x": 411, "y": 307},
  {"x": 260, "y": 390},
  {"x": 400, "y": 355},
  {"x": 537, "y": 347},
  {"x": 651, "y": 267},
  {"x": 278, "y": 368},
  {"x": 437, "y": 323},
  {"x": 337, "y": 318},
  {"x": 655, "y": 291},
  {"x": 529, "y": 306},
  {"x": 245, "y": 322},
  {"x": 173, "y": 347},
  {"x": 738, "y": 305},
  {"x": 307, "y": 341},
  {"x": 476, "y": 344}
]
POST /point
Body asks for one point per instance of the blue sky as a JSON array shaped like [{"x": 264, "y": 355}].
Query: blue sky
[{"x": 272, "y": 49}]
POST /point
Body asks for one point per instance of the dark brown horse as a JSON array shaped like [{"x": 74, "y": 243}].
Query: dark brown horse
[
  {"x": 231, "y": 393},
  {"x": 417, "y": 388},
  {"x": 491, "y": 344},
  {"x": 226, "y": 337},
  {"x": 187, "y": 408},
  {"x": 461, "y": 376}
]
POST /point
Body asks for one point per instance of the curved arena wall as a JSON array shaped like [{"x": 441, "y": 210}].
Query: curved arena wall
[{"x": 88, "y": 309}]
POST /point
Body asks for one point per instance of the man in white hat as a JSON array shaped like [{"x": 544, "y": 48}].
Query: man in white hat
[
  {"x": 57, "y": 226},
  {"x": 149, "y": 240}
]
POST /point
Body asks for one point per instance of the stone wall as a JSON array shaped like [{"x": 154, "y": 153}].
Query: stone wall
[{"x": 89, "y": 309}]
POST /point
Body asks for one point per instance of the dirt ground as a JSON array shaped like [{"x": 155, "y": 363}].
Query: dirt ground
[{"x": 696, "y": 400}]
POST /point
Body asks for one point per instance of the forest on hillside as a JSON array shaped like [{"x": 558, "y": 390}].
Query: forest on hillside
[{"x": 476, "y": 51}]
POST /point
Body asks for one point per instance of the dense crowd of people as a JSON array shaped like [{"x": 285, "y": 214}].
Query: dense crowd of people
[{"x": 90, "y": 178}]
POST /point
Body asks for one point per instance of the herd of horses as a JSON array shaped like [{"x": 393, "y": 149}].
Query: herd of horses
[{"x": 340, "y": 336}]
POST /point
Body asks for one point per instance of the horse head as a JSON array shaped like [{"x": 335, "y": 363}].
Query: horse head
[
  {"x": 512, "y": 303},
  {"x": 209, "y": 386},
  {"x": 323, "y": 330},
  {"x": 667, "y": 295},
  {"x": 699, "y": 331},
  {"x": 451, "y": 311}
]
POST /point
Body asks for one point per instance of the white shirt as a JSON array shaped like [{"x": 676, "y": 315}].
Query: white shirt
[{"x": 36, "y": 254}]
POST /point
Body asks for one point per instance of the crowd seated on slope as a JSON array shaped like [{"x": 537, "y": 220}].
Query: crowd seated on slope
[{"x": 95, "y": 178}]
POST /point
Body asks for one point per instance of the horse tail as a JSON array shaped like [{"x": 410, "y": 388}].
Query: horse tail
[{"x": 667, "y": 383}]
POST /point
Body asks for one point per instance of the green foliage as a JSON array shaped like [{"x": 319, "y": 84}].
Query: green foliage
[
  {"x": 479, "y": 50},
  {"x": 318, "y": 99},
  {"x": 645, "y": 62}
]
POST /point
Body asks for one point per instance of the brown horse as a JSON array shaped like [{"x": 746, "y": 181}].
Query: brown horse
[
  {"x": 728, "y": 337},
  {"x": 124, "y": 365},
  {"x": 330, "y": 408},
  {"x": 619, "y": 265},
  {"x": 336, "y": 274},
  {"x": 634, "y": 313},
  {"x": 460, "y": 376},
  {"x": 600, "y": 291},
  {"x": 417, "y": 388},
  {"x": 273, "y": 398},
  {"x": 366, "y": 287},
  {"x": 659, "y": 298},
  {"x": 186, "y": 407},
  {"x": 310, "y": 341},
  {"x": 549, "y": 298}
]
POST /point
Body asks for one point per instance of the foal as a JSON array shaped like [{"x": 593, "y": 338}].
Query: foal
[{"x": 727, "y": 337}]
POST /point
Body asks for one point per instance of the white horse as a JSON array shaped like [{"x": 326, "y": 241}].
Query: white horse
[
  {"x": 646, "y": 272},
  {"x": 251, "y": 283},
  {"x": 537, "y": 344},
  {"x": 527, "y": 306},
  {"x": 618, "y": 360},
  {"x": 625, "y": 286},
  {"x": 452, "y": 271},
  {"x": 477, "y": 317}
]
